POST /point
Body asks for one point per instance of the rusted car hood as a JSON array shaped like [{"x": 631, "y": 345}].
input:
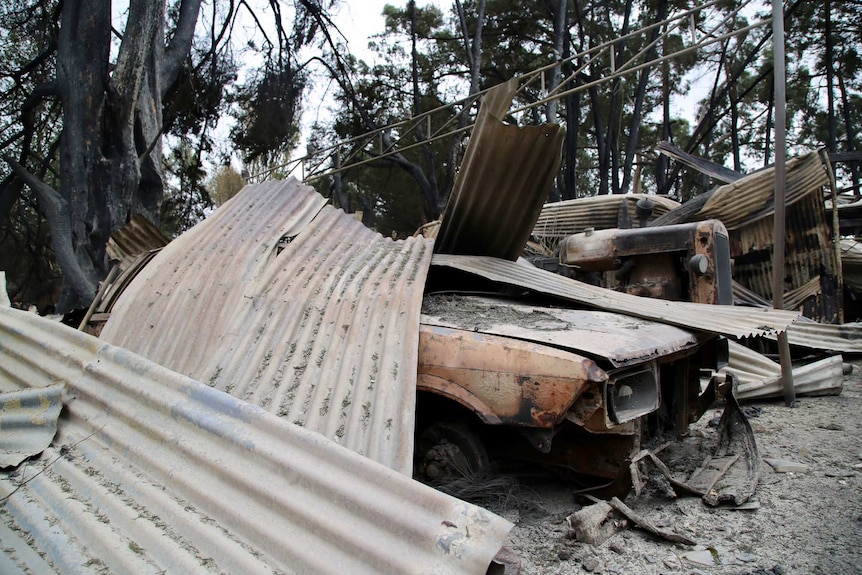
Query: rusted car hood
[{"x": 619, "y": 339}]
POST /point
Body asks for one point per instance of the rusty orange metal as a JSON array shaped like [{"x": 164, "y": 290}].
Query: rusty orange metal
[{"x": 503, "y": 380}]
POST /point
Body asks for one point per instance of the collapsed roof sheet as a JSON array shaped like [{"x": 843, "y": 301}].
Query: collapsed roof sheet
[
  {"x": 136, "y": 237},
  {"x": 28, "y": 422},
  {"x": 846, "y": 338},
  {"x": 152, "y": 472},
  {"x": 323, "y": 333},
  {"x": 750, "y": 199},
  {"x": 560, "y": 219},
  {"x": 728, "y": 320},
  {"x": 504, "y": 178}
]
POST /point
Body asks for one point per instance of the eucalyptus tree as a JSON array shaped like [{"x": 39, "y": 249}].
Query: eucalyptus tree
[{"x": 87, "y": 100}]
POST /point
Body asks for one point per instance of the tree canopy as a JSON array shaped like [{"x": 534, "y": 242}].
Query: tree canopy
[{"x": 109, "y": 113}]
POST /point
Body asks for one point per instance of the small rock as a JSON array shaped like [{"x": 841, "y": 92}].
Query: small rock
[
  {"x": 786, "y": 465},
  {"x": 652, "y": 560},
  {"x": 564, "y": 554},
  {"x": 590, "y": 564},
  {"x": 617, "y": 547},
  {"x": 671, "y": 561},
  {"x": 746, "y": 557},
  {"x": 839, "y": 473},
  {"x": 830, "y": 426},
  {"x": 703, "y": 557}
]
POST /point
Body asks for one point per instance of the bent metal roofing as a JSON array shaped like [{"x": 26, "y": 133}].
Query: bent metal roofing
[
  {"x": 294, "y": 306},
  {"x": 153, "y": 472}
]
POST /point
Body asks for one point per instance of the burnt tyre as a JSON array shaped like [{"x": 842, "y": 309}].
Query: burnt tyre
[{"x": 447, "y": 451}]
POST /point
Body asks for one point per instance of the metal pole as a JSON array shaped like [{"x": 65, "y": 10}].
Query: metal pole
[{"x": 779, "y": 87}]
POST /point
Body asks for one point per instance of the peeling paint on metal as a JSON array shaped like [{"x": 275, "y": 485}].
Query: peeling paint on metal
[
  {"x": 153, "y": 472},
  {"x": 295, "y": 307},
  {"x": 724, "y": 319}
]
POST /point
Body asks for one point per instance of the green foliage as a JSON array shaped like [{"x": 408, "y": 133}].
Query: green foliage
[{"x": 187, "y": 200}]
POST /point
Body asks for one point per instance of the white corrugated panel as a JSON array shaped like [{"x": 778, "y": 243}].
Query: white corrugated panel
[
  {"x": 28, "y": 422},
  {"x": 760, "y": 377},
  {"x": 152, "y": 472},
  {"x": 728, "y": 320},
  {"x": 324, "y": 333},
  {"x": 846, "y": 338}
]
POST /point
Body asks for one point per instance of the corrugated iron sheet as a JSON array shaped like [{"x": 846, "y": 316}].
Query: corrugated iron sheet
[
  {"x": 619, "y": 339},
  {"x": 504, "y": 179},
  {"x": 746, "y": 209},
  {"x": 727, "y": 320},
  {"x": 152, "y": 472},
  {"x": 136, "y": 237},
  {"x": 561, "y": 219},
  {"x": 840, "y": 338},
  {"x": 751, "y": 198},
  {"x": 711, "y": 169},
  {"x": 324, "y": 333},
  {"x": 851, "y": 262},
  {"x": 760, "y": 377},
  {"x": 28, "y": 422},
  {"x": 809, "y": 253}
]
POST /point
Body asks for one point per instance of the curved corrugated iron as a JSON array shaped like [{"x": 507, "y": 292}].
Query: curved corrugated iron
[
  {"x": 504, "y": 179},
  {"x": 136, "y": 237},
  {"x": 561, "y": 219},
  {"x": 751, "y": 198},
  {"x": 760, "y": 377},
  {"x": 324, "y": 333},
  {"x": 727, "y": 320},
  {"x": 152, "y": 472},
  {"x": 28, "y": 422}
]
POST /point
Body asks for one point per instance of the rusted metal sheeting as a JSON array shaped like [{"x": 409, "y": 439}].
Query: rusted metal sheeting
[
  {"x": 711, "y": 169},
  {"x": 727, "y": 320},
  {"x": 760, "y": 377},
  {"x": 504, "y": 178},
  {"x": 136, "y": 237},
  {"x": 750, "y": 199},
  {"x": 851, "y": 262},
  {"x": 152, "y": 472},
  {"x": 324, "y": 333},
  {"x": 845, "y": 338},
  {"x": 28, "y": 422},
  {"x": 561, "y": 219},
  {"x": 809, "y": 254},
  {"x": 619, "y": 339}
]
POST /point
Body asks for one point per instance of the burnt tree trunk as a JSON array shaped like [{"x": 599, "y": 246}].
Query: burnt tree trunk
[{"x": 110, "y": 147}]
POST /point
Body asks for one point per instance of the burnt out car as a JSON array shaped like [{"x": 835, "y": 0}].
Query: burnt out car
[{"x": 573, "y": 389}]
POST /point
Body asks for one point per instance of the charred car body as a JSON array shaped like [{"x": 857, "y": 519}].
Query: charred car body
[{"x": 582, "y": 388}]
